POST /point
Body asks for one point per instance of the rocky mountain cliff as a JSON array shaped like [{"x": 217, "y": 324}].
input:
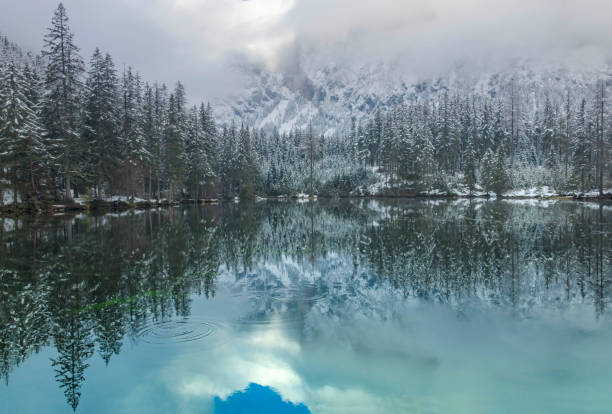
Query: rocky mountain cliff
[{"x": 330, "y": 94}]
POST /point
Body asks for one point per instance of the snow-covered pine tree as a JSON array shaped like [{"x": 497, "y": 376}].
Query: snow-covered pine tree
[
  {"x": 363, "y": 149},
  {"x": 424, "y": 157},
  {"x": 601, "y": 131},
  {"x": 228, "y": 160},
  {"x": 23, "y": 152},
  {"x": 487, "y": 172},
  {"x": 500, "y": 178},
  {"x": 581, "y": 150},
  {"x": 197, "y": 167},
  {"x": 134, "y": 148},
  {"x": 500, "y": 132},
  {"x": 469, "y": 173},
  {"x": 309, "y": 149},
  {"x": 387, "y": 153},
  {"x": 209, "y": 139},
  {"x": 158, "y": 139},
  {"x": 148, "y": 129},
  {"x": 247, "y": 170},
  {"x": 100, "y": 125},
  {"x": 62, "y": 100},
  {"x": 174, "y": 162}
]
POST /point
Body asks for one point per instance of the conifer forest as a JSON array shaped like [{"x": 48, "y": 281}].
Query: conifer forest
[{"x": 72, "y": 127}]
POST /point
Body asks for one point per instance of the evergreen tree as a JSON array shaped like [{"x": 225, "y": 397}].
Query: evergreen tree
[
  {"x": 470, "y": 166},
  {"x": 23, "y": 151},
  {"x": 174, "y": 150},
  {"x": 248, "y": 173},
  {"x": 424, "y": 162},
  {"x": 228, "y": 160},
  {"x": 134, "y": 149},
  {"x": 198, "y": 167},
  {"x": 100, "y": 124},
  {"x": 581, "y": 149},
  {"x": 209, "y": 142},
  {"x": 148, "y": 129},
  {"x": 487, "y": 172},
  {"x": 157, "y": 139},
  {"x": 494, "y": 177},
  {"x": 75, "y": 346},
  {"x": 62, "y": 101}
]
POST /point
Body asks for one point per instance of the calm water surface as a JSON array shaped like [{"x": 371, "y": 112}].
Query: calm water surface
[{"x": 325, "y": 307}]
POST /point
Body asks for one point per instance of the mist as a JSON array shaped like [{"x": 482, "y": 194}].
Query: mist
[{"x": 200, "y": 42}]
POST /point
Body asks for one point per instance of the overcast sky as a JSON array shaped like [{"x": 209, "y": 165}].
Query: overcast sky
[{"x": 193, "y": 40}]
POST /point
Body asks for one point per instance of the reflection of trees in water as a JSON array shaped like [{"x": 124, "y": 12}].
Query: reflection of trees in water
[
  {"x": 85, "y": 284},
  {"x": 501, "y": 251}
]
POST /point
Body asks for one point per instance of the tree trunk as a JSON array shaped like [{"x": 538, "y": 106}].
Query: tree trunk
[
  {"x": 32, "y": 178},
  {"x": 158, "y": 195},
  {"x": 68, "y": 192},
  {"x": 601, "y": 139}
]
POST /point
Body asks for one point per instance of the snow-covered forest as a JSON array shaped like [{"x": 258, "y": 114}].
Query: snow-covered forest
[{"x": 70, "y": 129}]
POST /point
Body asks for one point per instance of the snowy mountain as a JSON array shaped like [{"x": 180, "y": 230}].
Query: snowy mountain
[{"x": 330, "y": 94}]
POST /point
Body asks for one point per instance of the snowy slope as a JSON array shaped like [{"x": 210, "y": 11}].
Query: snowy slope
[{"x": 330, "y": 94}]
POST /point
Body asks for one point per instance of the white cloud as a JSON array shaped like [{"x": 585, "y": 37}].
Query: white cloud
[{"x": 193, "y": 40}]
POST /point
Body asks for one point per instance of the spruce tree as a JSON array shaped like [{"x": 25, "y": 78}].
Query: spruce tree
[
  {"x": 198, "y": 167},
  {"x": 470, "y": 166},
  {"x": 248, "y": 173},
  {"x": 157, "y": 140},
  {"x": 174, "y": 150},
  {"x": 228, "y": 160},
  {"x": 486, "y": 172},
  {"x": 100, "y": 126},
  {"x": 209, "y": 142},
  {"x": 424, "y": 153},
  {"x": 62, "y": 100},
  {"x": 135, "y": 153},
  {"x": 23, "y": 151},
  {"x": 501, "y": 181}
]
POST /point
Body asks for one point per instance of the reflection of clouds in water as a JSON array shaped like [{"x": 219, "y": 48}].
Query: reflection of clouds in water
[
  {"x": 366, "y": 345},
  {"x": 263, "y": 357},
  {"x": 422, "y": 357},
  {"x": 378, "y": 326},
  {"x": 257, "y": 399}
]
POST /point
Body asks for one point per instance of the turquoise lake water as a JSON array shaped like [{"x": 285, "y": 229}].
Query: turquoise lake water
[{"x": 350, "y": 306}]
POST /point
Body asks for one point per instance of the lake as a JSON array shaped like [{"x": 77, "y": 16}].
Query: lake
[{"x": 349, "y": 306}]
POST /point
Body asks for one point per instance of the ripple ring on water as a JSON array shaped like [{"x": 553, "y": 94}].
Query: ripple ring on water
[{"x": 176, "y": 331}]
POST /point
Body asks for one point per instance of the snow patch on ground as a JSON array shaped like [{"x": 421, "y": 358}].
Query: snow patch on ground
[
  {"x": 125, "y": 199},
  {"x": 7, "y": 197},
  {"x": 594, "y": 193},
  {"x": 544, "y": 191},
  {"x": 8, "y": 224},
  {"x": 456, "y": 188}
]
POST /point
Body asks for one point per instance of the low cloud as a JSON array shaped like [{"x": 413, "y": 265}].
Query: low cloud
[{"x": 193, "y": 40}]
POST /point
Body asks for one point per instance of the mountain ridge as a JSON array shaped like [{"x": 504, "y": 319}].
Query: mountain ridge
[{"x": 331, "y": 95}]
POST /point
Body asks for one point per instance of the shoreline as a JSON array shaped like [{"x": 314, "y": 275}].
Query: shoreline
[{"x": 122, "y": 205}]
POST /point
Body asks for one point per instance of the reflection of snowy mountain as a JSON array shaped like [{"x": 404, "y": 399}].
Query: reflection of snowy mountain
[
  {"x": 330, "y": 94},
  {"x": 366, "y": 279}
]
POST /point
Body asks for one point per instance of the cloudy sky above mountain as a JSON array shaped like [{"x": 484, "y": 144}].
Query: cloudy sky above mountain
[{"x": 198, "y": 41}]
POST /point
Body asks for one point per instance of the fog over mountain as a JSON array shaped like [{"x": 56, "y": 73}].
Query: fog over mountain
[
  {"x": 331, "y": 94},
  {"x": 332, "y": 63},
  {"x": 201, "y": 42}
]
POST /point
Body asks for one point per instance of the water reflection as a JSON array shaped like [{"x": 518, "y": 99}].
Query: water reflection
[
  {"x": 257, "y": 399},
  {"x": 301, "y": 288}
]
